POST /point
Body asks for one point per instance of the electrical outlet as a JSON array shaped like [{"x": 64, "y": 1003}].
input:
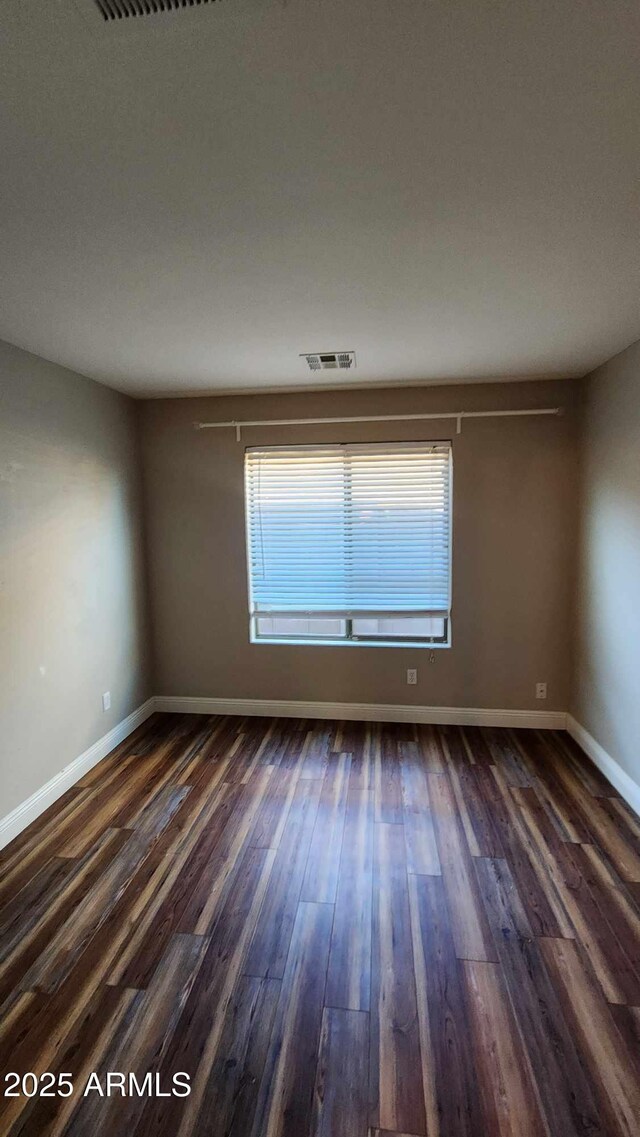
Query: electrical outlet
[
  {"x": 541, "y": 690},
  {"x": 412, "y": 676},
  {"x": 106, "y": 701}
]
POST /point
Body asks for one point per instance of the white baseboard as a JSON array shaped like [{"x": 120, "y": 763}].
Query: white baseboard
[
  {"x": 369, "y": 712},
  {"x": 27, "y": 811},
  {"x": 611, "y": 769}
]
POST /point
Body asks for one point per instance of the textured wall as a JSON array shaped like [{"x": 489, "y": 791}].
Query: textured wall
[
  {"x": 513, "y": 530},
  {"x": 72, "y": 608},
  {"x": 606, "y": 698}
]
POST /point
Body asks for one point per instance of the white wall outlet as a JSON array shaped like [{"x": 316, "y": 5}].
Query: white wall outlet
[
  {"x": 106, "y": 701},
  {"x": 541, "y": 690},
  {"x": 412, "y": 676}
]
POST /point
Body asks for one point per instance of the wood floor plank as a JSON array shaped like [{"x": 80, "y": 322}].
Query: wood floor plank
[
  {"x": 593, "y": 781},
  {"x": 48, "y": 1021},
  {"x": 16, "y": 1021},
  {"x": 222, "y": 745},
  {"x": 505, "y": 753},
  {"x": 475, "y": 743},
  {"x": 396, "y": 1066},
  {"x": 588, "y": 809},
  {"x": 620, "y": 893},
  {"x": 22, "y": 864},
  {"x": 607, "y": 835},
  {"x": 448, "y": 1064},
  {"x": 610, "y": 1064},
  {"x": 107, "y": 806},
  {"x": 45, "y": 834},
  {"x": 208, "y": 900},
  {"x": 79, "y": 1057},
  {"x": 320, "y": 882},
  {"x": 358, "y": 742},
  {"x": 236, "y": 835},
  {"x": 557, "y": 787},
  {"x": 142, "y": 1040},
  {"x": 231, "y": 1092},
  {"x": 468, "y": 921},
  {"x": 57, "y": 960},
  {"x": 39, "y": 1027},
  {"x": 285, "y": 1100},
  {"x": 315, "y": 754},
  {"x": 195, "y": 1041},
  {"x": 24, "y": 948},
  {"x": 349, "y": 973},
  {"x": 629, "y": 823},
  {"x": 430, "y": 743},
  {"x": 259, "y": 739},
  {"x": 183, "y": 899},
  {"x": 208, "y": 794},
  {"x": 469, "y": 787},
  {"x": 606, "y": 926},
  {"x": 388, "y": 1133},
  {"x": 627, "y": 1020},
  {"x": 286, "y": 743},
  {"x": 174, "y": 761},
  {"x": 341, "y": 1098},
  {"x": 29, "y": 906},
  {"x": 526, "y": 853},
  {"x": 355, "y": 739},
  {"x": 422, "y": 850},
  {"x": 387, "y": 782},
  {"x": 268, "y": 952},
  {"x": 565, "y": 1092},
  {"x": 532, "y": 808},
  {"x": 509, "y": 1101}
]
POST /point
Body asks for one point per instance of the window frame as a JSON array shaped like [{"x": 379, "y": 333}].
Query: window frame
[
  {"x": 431, "y": 643},
  {"x": 349, "y": 640}
]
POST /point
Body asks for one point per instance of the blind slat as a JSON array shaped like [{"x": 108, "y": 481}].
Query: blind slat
[{"x": 350, "y": 530}]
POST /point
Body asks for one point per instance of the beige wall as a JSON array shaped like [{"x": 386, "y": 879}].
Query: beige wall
[
  {"x": 513, "y": 533},
  {"x": 606, "y": 698},
  {"x": 72, "y": 609}
]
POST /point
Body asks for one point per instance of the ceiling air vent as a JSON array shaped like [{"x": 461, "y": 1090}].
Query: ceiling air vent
[
  {"x": 330, "y": 360},
  {"x": 130, "y": 9}
]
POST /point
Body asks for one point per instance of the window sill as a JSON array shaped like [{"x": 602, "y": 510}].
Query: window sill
[{"x": 349, "y": 643}]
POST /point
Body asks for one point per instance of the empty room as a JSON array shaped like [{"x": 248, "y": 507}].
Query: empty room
[{"x": 320, "y": 568}]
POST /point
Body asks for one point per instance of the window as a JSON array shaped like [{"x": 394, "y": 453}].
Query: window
[{"x": 350, "y": 544}]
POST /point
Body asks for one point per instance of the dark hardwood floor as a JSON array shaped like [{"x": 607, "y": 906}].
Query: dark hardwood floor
[{"x": 337, "y": 929}]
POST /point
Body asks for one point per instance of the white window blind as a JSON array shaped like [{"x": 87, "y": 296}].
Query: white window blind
[{"x": 354, "y": 530}]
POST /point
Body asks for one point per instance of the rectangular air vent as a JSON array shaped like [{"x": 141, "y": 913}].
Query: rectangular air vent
[
  {"x": 330, "y": 360},
  {"x": 130, "y": 9}
]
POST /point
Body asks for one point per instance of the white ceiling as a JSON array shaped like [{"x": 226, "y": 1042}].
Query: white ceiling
[{"x": 449, "y": 187}]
